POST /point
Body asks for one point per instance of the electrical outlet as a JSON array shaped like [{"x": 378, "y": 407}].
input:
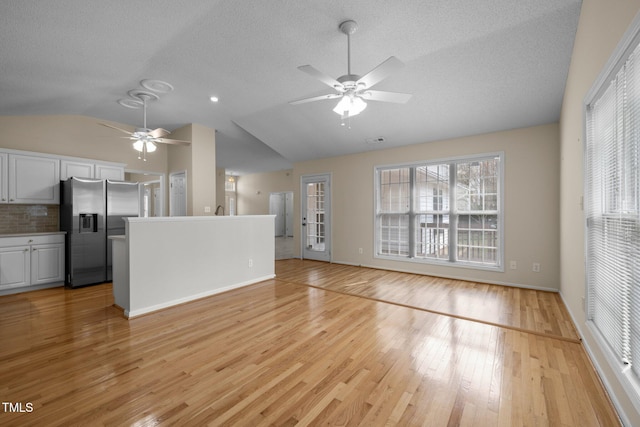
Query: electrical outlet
[
  {"x": 360, "y": 251},
  {"x": 207, "y": 209},
  {"x": 250, "y": 262},
  {"x": 536, "y": 267},
  {"x": 513, "y": 265}
]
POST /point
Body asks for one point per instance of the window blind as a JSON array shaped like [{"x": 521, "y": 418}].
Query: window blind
[{"x": 612, "y": 212}]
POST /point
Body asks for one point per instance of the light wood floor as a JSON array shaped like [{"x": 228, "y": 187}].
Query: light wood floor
[{"x": 287, "y": 352}]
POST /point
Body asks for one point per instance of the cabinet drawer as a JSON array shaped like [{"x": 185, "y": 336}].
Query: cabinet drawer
[{"x": 36, "y": 239}]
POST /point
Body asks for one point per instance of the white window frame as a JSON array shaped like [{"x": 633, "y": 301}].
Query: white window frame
[
  {"x": 621, "y": 368},
  {"x": 451, "y": 261}
]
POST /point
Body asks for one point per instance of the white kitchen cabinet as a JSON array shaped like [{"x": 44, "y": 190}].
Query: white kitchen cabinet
[
  {"x": 15, "y": 270},
  {"x": 4, "y": 178},
  {"x": 109, "y": 172},
  {"x": 69, "y": 168},
  {"x": 34, "y": 179},
  {"x": 28, "y": 260},
  {"x": 47, "y": 263}
]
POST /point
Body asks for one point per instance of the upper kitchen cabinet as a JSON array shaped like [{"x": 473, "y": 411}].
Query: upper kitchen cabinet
[
  {"x": 79, "y": 169},
  {"x": 4, "y": 175},
  {"x": 34, "y": 179},
  {"x": 104, "y": 171}
]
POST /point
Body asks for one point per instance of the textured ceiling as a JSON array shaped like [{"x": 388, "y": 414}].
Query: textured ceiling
[{"x": 473, "y": 66}]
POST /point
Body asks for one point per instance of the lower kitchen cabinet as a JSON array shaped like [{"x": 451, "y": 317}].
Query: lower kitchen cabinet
[
  {"x": 15, "y": 270},
  {"x": 31, "y": 260},
  {"x": 47, "y": 263}
]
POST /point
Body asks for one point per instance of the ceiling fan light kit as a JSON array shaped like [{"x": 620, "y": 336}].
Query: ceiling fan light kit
[
  {"x": 145, "y": 139},
  {"x": 353, "y": 89}
]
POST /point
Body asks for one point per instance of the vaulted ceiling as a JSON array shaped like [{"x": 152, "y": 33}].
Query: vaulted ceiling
[{"x": 473, "y": 66}]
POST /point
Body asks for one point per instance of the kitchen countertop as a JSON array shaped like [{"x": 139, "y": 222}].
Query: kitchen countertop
[{"x": 32, "y": 234}]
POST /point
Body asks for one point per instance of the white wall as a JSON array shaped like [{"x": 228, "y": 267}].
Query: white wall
[
  {"x": 531, "y": 203},
  {"x": 177, "y": 259}
]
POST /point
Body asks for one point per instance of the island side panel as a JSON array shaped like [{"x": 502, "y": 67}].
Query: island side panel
[{"x": 175, "y": 260}]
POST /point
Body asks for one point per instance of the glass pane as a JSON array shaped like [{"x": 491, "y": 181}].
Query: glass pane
[
  {"x": 432, "y": 236},
  {"x": 394, "y": 234},
  {"x": 315, "y": 238},
  {"x": 394, "y": 192}
]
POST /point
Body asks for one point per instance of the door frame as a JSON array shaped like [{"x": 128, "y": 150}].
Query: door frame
[{"x": 326, "y": 255}]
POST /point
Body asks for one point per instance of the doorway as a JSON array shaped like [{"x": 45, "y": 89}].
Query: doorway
[
  {"x": 315, "y": 191},
  {"x": 178, "y": 194},
  {"x": 281, "y": 205}
]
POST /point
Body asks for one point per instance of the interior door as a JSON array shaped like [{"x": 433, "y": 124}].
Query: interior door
[
  {"x": 178, "y": 194},
  {"x": 316, "y": 217}
]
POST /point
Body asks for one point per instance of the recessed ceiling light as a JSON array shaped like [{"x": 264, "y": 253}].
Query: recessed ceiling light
[{"x": 214, "y": 99}]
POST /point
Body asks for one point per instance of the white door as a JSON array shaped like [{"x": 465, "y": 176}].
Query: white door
[
  {"x": 315, "y": 201},
  {"x": 146, "y": 202},
  {"x": 288, "y": 221},
  {"x": 157, "y": 202},
  {"x": 178, "y": 194}
]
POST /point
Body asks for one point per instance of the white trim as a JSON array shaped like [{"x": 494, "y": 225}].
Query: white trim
[
  {"x": 139, "y": 312},
  {"x": 452, "y": 277},
  {"x": 598, "y": 367},
  {"x": 159, "y": 176}
]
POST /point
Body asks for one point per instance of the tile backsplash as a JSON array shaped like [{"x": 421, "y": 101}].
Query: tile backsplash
[{"x": 29, "y": 218}]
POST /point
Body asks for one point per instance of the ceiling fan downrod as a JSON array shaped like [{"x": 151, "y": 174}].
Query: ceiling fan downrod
[{"x": 348, "y": 27}]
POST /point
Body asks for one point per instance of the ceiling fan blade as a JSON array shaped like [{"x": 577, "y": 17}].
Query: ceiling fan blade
[
  {"x": 384, "y": 96},
  {"x": 172, "y": 141},
  {"x": 316, "y": 98},
  {"x": 381, "y": 72},
  {"x": 159, "y": 133},
  {"x": 324, "y": 78},
  {"x": 116, "y": 128}
]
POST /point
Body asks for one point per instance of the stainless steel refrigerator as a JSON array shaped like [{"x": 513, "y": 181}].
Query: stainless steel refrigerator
[
  {"x": 91, "y": 210},
  {"x": 123, "y": 200},
  {"x": 82, "y": 216}
]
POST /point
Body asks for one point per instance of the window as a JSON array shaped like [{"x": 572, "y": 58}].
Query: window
[
  {"x": 447, "y": 212},
  {"x": 612, "y": 210}
]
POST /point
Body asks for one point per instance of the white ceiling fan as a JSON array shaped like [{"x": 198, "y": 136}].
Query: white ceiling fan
[
  {"x": 144, "y": 139},
  {"x": 353, "y": 89}
]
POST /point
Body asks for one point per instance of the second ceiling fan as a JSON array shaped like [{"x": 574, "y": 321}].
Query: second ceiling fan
[{"x": 353, "y": 89}]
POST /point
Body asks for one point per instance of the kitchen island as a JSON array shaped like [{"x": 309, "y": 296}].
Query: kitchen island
[{"x": 165, "y": 261}]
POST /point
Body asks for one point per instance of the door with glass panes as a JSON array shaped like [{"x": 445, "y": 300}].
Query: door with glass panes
[{"x": 316, "y": 217}]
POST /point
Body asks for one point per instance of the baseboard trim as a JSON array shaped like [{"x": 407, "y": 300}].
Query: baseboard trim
[{"x": 129, "y": 314}]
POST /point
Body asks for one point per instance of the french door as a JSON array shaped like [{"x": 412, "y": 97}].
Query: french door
[{"x": 316, "y": 217}]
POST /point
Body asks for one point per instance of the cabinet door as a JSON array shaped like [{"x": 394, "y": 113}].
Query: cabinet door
[
  {"x": 14, "y": 267},
  {"x": 109, "y": 172},
  {"x": 4, "y": 175},
  {"x": 47, "y": 263},
  {"x": 34, "y": 179},
  {"x": 78, "y": 169}
]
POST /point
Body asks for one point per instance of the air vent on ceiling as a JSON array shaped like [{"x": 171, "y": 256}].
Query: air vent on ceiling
[{"x": 377, "y": 140}]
